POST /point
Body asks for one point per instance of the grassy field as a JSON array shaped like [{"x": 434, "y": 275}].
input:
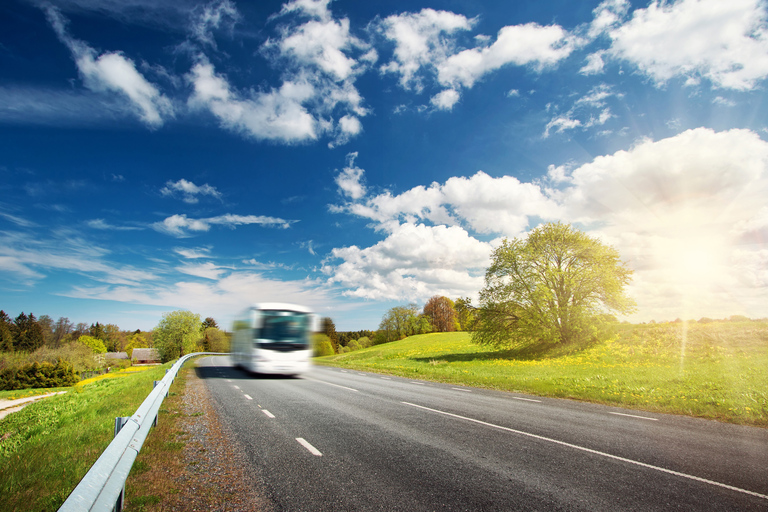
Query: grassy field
[
  {"x": 47, "y": 447},
  {"x": 715, "y": 370}
]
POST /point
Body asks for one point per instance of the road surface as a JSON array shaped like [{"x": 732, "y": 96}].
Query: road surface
[{"x": 347, "y": 440}]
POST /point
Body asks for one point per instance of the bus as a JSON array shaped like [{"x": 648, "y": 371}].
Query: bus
[{"x": 273, "y": 338}]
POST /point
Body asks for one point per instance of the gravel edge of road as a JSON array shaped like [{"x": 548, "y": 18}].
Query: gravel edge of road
[{"x": 209, "y": 473}]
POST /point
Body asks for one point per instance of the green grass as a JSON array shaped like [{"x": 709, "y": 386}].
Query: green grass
[
  {"x": 47, "y": 447},
  {"x": 716, "y": 370}
]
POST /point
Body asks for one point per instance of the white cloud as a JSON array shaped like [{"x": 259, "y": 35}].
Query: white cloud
[
  {"x": 114, "y": 72},
  {"x": 349, "y": 180},
  {"x": 561, "y": 124},
  {"x": 322, "y": 44},
  {"x": 189, "y": 191},
  {"x": 414, "y": 262},
  {"x": 521, "y": 45},
  {"x": 445, "y": 100},
  {"x": 588, "y": 111},
  {"x": 608, "y": 15},
  {"x": 210, "y": 17},
  {"x": 421, "y": 39},
  {"x": 206, "y": 270},
  {"x": 725, "y": 42},
  {"x": 200, "y": 252},
  {"x": 182, "y": 226},
  {"x": 104, "y": 225},
  {"x": 594, "y": 65},
  {"x": 274, "y": 115},
  {"x": 29, "y": 257}
]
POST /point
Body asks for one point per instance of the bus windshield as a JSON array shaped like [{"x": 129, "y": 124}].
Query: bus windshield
[{"x": 284, "y": 327}]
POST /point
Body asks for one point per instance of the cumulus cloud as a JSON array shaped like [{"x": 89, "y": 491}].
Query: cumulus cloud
[
  {"x": 182, "y": 226},
  {"x": 723, "y": 42},
  {"x": 421, "y": 39},
  {"x": 349, "y": 180},
  {"x": 189, "y": 191},
  {"x": 445, "y": 100},
  {"x": 113, "y": 72},
  {"x": 413, "y": 262},
  {"x": 275, "y": 115},
  {"x": 521, "y": 45}
]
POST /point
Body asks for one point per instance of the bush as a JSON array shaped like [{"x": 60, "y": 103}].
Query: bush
[
  {"x": 322, "y": 345},
  {"x": 38, "y": 375}
]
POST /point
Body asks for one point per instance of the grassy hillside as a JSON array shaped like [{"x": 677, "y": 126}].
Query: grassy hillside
[{"x": 716, "y": 370}]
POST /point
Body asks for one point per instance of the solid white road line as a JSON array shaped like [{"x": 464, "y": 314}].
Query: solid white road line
[
  {"x": 331, "y": 384},
  {"x": 269, "y": 414},
  {"x": 594, "y": 452},
  {"x": 248, "y": 397},
  {"x": 312, "y": 449},
  {"x": 633, "y": 416}
]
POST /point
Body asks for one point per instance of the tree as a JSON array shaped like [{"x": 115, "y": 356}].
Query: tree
[
  {"x": 46, "y": 326},
  {"x": 137, "y": 340},
  {"x": 465, "y": 313},
  {"x": 61, "y": 328},
  {"x": 27, "y": 334},
  {"x": 177, "y": 334},
  {"x": 97, "y": 331},
  {"x": 550, "y": 288},
  {"x": 113, "y": 339},
  {"x": 209, "y": 322},
  {"x": 215, "y": 340},
  {"x": 6, "y": 332},
  {"x": 400, "y": 322},
  {"x": 329, "y": 329},
  {"x": 441, "y": 314},
  {"x": 94, "y": 344}
]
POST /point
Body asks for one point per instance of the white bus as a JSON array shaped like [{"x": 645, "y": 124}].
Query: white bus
[{"x": 273, "y": 338}]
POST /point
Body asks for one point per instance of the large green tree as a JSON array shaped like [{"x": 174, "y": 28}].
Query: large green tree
[
  {"x": 177, "y": 333},
  {"x": 551, "y": 287}
]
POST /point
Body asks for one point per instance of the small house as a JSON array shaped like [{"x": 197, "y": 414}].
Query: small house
[{"x": 145, "y": 356}]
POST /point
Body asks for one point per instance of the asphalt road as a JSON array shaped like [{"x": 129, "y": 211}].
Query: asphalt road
[{"x": 346, "y": 440}]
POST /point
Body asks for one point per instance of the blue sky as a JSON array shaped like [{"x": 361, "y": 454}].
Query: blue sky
[{"x": 160, "y": 155}]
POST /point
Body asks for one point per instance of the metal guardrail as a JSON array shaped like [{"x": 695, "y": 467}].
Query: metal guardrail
[{"x": 102, "y": 488}]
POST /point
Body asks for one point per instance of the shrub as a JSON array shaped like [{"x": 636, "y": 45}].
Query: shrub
[
  {"x": 322, "y": 345},
  {"x": 38, "y": 375}
]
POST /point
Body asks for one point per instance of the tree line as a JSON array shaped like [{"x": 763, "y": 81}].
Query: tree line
[{"x": 41, "y": 352}]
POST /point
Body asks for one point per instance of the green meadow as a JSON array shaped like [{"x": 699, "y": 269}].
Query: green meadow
[
  {"x": 716, "y": 370},
  {"x": 47, "y": 447}
]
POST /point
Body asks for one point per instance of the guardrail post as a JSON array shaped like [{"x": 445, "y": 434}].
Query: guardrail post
[
  {"x": 120, "y": 421},
  {"x": 154, "y": 423}
]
